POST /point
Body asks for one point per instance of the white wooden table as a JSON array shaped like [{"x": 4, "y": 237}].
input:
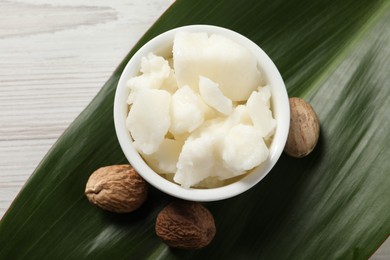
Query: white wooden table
[{"x": 54, "y": 57}]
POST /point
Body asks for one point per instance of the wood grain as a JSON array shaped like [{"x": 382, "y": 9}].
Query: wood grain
[{"x": 54, "y": 58}]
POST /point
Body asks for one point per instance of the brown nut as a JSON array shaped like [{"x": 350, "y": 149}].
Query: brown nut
[
  {"x": 116, "y": 188},
  {"x": 304, "y": 129},
  {"x": 186, "y": 225}
]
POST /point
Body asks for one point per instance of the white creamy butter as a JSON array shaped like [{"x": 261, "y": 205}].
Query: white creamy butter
[
  {"x": 218, "y": 58},
  {"x": 203, "y": 117}
]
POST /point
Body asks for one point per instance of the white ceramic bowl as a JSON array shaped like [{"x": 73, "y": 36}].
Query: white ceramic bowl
[{"x": 162, "y": 45}]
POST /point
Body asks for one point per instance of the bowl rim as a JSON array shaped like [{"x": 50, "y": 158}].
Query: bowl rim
[{"x": 280, "y": 109}]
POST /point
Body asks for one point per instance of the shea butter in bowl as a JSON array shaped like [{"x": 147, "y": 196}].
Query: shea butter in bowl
[{"x": 201, "y": 113}]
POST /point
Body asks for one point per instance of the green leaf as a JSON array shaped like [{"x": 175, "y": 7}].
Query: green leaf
[{"x": 335, "y": 203}]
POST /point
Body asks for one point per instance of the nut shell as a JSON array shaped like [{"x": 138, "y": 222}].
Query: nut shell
[
  {"x": 117, "y": 188},
  {"x": 304, "y": 129},
  {"x": 186, "y": 225}
]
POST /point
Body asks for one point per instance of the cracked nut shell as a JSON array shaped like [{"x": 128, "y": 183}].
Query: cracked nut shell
[
  {"x": 185, "y": 225},
  {"x": 117, "y": 188},
  {"x": 304, "y": 128}
]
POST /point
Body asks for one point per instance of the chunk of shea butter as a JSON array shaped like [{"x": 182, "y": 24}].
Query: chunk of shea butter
[
  {"x": 195, "y": 162},
  {"x": 213, "y": 96},
  {"x": 165, "y": 158},
  {"x": 222, "y": 60},
  {"x": 170, "y": 83},
  {"x": 240, "y": 115},
  {"x": 187, "y": 111},
  {"x": 148, "y": 120},
  {"x": 265, "y": 94},
  {"x": 244, "y": 148},
  {"x": 155, "y": 70},
  {"x": 200, "y": 157},
  {"x": 260, "y": 113}
]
